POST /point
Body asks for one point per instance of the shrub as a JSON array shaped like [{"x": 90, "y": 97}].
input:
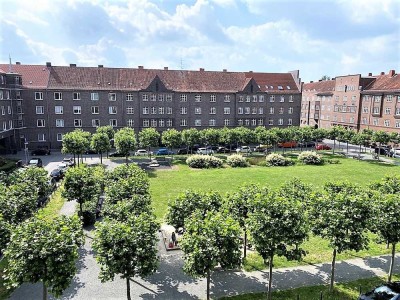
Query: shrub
[
  {"x": 333, "y": 161},
  {"x": 275, "y": 159},
  {"x": 310, "y": 158},
  {"x": 203, "y": 161},
  {"x": 237, "y": 160}
]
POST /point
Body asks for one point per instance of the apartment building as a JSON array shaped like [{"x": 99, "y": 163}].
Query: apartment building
[{"x": 57, "y": 99}]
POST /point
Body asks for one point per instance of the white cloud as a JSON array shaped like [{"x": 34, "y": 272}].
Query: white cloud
[{"x": 364, "y": 11}]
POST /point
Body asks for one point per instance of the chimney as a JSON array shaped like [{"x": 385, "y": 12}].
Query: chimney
[
  {"x": 72, "y": 65},
  {"x": 17, "y": 63},
  {"x": 320, "y": 80},
  {"x": 140, "y": 67},
  {"x": 382, "y": 73},
  {"x": 333, "y": 78},
  {"x": 369, "y": 74},
  {"x": 391, "y": 73},
  {"x": 250, "y": 71},
  {"x": 48, "y": 64},
  {"x": 311, "y": 81},
  {"x": 223, "y": 70},
  {"x": 165, "y": 68},
  {"x": 201, "y": 69},
  {"x": 100, "y": 66}
]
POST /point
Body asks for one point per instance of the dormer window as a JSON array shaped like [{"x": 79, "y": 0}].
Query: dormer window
[{"x": 280, "y": 87}]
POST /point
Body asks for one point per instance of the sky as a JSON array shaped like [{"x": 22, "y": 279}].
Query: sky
[{"x": 331, "y": 37}]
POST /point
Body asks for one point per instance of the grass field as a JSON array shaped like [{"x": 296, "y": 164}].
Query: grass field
[{"x": 343, "y": 291}]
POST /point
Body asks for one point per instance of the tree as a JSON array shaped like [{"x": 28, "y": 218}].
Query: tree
[
  {"x": 125, "y": 141},
  {"x": 228, "y": 136},
  {"x": 297, "y": 190},
  {"x": 50, "y": 257},
  {"x": 341, "y": 215},
  {"x": 76, "y": 142},
  {"x": 36, "y": 177},
  {"x": 211, "y": 136},
  {"x": 100, "y": 143},
  {"x": 171, "y": 138},
  {"x": 109, "y": 130},
  {"x": 278, "y": 226},
  {"x": 333, "y": 134},
  {"x": 5, "y": 232},
  {"x": 346, "y": 135},
  {"x": 212, "y": 242},
  {"x": 380, "y": 137},
  {"x": 325, "y": 77},
  {"x": 239, "y": 205},
  {"x": 244, "y": 135},
  {"x": 148, "y": 137},
  {"x": 122, "y": 210},
  {"x": 127, "y": 248},
  {"x": 360, "y": 139},
  {"x": 390, "y": 184},
  {"x": 190, "y": 137}
]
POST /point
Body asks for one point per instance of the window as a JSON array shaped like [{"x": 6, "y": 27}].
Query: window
[
  {"x": 247, "y": 110},
  {"x": 112, "y": 110},
  {"x": 4, "y": 125},
  {"x": 240, "y": 122},
  {"x": 389, "y": 98},
  {"x": 1, "y": 96},
  {"x": 169, "y": 98},
  {"x": 248, "y": 98},
  {"x": 271, "y": 110},
  {"x": 3, "y": 110},
  {"x": 280, "y": 121},
  {"x": 112, "y": 97},
  {"x": 241, "y": 98},
  {"x": 272, "y": 98},
  {"x": 351, "y": 120},
  {"x": 59, "y": 137},
  {"x": 76, "y": 96},
  {"x": 39, "y": 110},
  {"x": 281, "y": 110},
  {"x": 95, "y": 110},
  {"x": 344, "y": 98},
  {"x": 397, "y": 112},
  {"x": 213, "y": 110},
  {"x": 58, "y": 110},
  {"x": 290, "y": 110},
  {"x": 183, "y": 123},
  {"x": 161, "y": 110},
  {"x": 270, "y": 122},
  {"x": 169, "y": 110},
  {"x": 153, "y": 123},
  {"x": 247, "y": 122},
  {"x": 211, "y": 122},
  {"x": 7, "y": 95},
  {"x": 145, "y": 97},
  {"x": 227, "y": 110},
  {"x": 197, "y": 122},
  {"x": 376, "y": 110},
  {"x": 38, "y": 95},
  {"x": 161, "y": 123},
  {"x": 57, "y": 96},
  {"x": 387, "y": 110},
  {"x": 282, "y": 99},
  {"x": 183, "y": 98},
  {"x": 227, "y": 122},
  {"x": 161, "y": 97},
  {"x": 94, "y": 96},
  {"x": 130, "y": 110},
  {"x": 146, "y": 123},
  {"x": 386, "y": 123},
  {"x": 365, "y": 109},
  {"x": 291, "y": 98},
  {"x": 77, "y": 122},
  {"x": 253, "y": 122},
  {"x": 9, "y": 110},
  {"x": 261, "y": 98},
  {"x": 153, "y": 110},
  {"x": 95, "y": 122},
  {"x": 197, "y": 98},
  {"x": 77, "y": 110},
  {"x": 254, "y": 98},
  {"x": 261, "y": 110},
  {"x": 289, "y": 121},
  {"x": 130, "y": 123},
  {"x": 59, "y": 122},
  {"x": 213, "y": 98},
  {"x": 197, "y": 110},
  {"x": 240, "y": 110},
  {"x": 145, "y": 110},
  {"x": 375, "y": 122},
  {"x": 377, "y": 99},
  {"x": 129, "y": 97},
  {"x": 153, "y": 97},
  {"x": 183, "y": 110},
  {"x": 397, "y": 124},
  {"x": 41, "y": 137},
  {"x": 169, "y": 123},
  {"x": 364, "y": 121},
  {"x": 254, "y": 110},
  {"x": 113, "y": 122},
  {"x": 227, "y": 98},
  {"x": 40, "y": 123}
]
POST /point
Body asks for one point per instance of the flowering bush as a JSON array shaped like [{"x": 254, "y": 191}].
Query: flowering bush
[
  {"x": 203, "y": 161},
  {"x": 275, "y": 159},
  {"x": 237, "y": 160},
  {"x": 310, "y": 158}
]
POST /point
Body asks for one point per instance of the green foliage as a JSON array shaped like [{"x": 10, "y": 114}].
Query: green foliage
[
  {"x": 203, "y": 161},
  {"x": 297, "y": 190},
  {"x": 310, "y": 158},
  {"x": 109, "y": 130},
  {"x": 121, "y": 210},
  {"x": 125, "y": 140},
  {"x": 388, "y": 225},
  {"x": 75, "y": 142},
  {"x": 100, "y": 142},
  {"x": 390, "y": 184},
  {"x": 148, "y": 137},
  {"x": 180, "y": 208},
  {"x": 210, "y": 136},
  {"x": 237, "y": 160},
  {"x": 45, "y": 251},
  {"x": 5, "y": 232},
  {"x": 190, "y": 136},
  {"x": 277, "y": 160},
  {"x": 171, "y": 138},
  {"x": 36, "y": 177}
]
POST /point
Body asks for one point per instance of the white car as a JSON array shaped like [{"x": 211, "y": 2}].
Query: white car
[
  {"x": 63, "y": 167},
  {"x": 143, "y": 152},
  {"x": 396, "y": 153},
  {"x": 205, "y": 151},
  {"x": 243, "y": 149}
]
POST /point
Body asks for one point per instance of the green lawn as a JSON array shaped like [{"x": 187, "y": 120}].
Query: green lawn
[{"x": 343, "y": 291}]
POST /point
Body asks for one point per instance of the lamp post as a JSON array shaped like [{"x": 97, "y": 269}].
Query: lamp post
[{"x": 26, "y": 152}]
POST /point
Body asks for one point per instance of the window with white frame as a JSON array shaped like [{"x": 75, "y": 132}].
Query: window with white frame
[
  {"x": 290, "y": 122},
  {"x": 169, "y": 110},
  {"x": 95, "y": 110},
  {"x": 386, "y": 123},
  {"x": 145, "y": 110},
  {"x": 282, "y": 99},
  {"x": 364, "y": 121},
  {"x": 58, "y": 110},
  {"x": 290, "y": 110},
  {"x": 3, "y": 110},
  {"x": 397, "y": 124},
  {"x": 247, "y": 122},
  {"x": 57, "y": 96},
  {"x": 129, "y": 97},
  {"x": 344, "y": 98},
  {"x": 40, "y": 123},
  {"x": 376, "y": 110},
  {"x": 95, "y": 122},
  {"x": 247, "y": 110},
  {"x": 153, "y": 123},
  {"x": 113, "y": 123},
  {"x": 169, "y": 123},
  {"x": 197, "y": 98},
  {"x": 271, "y": 110},
  {"x": 213, "y": 110},
  {"x": 94, "y": 96},
  {"x": 59, "y": 122},
  {"x": 291, "y": 98},
  {"x": 365, "y": 109},
  {"x": 397, "y": 112},
  {"x": 254, "y": 110},
  {"x": 240, "y": 122},
  {"x": 387, "y": 110},
  {"x": 161, "y": 123},
  {"x": 211, "y": 122},
  {"x": 59, "y": 137},
  {"x": 153, "y": 110},
  {"x": 261, "y": 110},
  {"x": 146, "y": 123},
  {"x": 248, "y": 98},
  {"x": 77, "y": 122},
  {"x": 41, "y": 137},
  {"x": 9, "y": 110},
  {"x": 227, "y": 98},
  {"x": 1, "y": 96},
  {"x": 241, "y": 98},
  {"x": 351, "y": 120},
  {"x": 153, "y": 97},
  {"x": 183, "y": 123},
  {"x": 183, "y": 110},
  {"x": 280, "y": 121},
  {"x": 271, "y": 121},
  {"x": 130, "y": 110},
  {"x": 112, "y": 110},
  {"x": 183, "y": 98},
  {"x": 389, "y": 98},
  {"x": 145, "y": 97},
  {"x": 161, "y": 97},
  {"x": 39, "y": 110},
  {"x": 254, "y": 98},
  {"x": 375, "y": 121},
  {"x": 227, "y": 122},
  {"x": 77, "y": 110},
  {"x": 260, "y": 122},
  {"x": 240, "y": 110},
  {"x": 4, "y": 125},
  {"x": 261, "y": 98},
  {"x": 377, "y": 98},
  {"x": 213, "y": 98},
  {"x": 161, "y": 110},
  {"x": 253, "y": 122},
  {"x": 130, "y": 123},
  {"x": 8, "y": 95},
  {"x": 197, "y": 122},
  {"x": 76, "y": 96},
  {"x": 227, "y": 110},
  {"x": 169, "y": 98},
  {"x": 197, "y": 110},
  {"x": 38, "y": 95},
  {"x": 272, "y": 98}
]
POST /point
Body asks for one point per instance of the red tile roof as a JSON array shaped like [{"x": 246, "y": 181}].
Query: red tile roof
[
  {"x": 385, "y": 83},
  {"x": 323, "y": 86},
  {"x": 33, "y": 76},
  {"x": 270, "y": 82}
]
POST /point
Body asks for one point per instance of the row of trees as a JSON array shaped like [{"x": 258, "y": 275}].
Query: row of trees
[
  {"x": 279, "y": 221},
  {"x": 78, "y": 141}
]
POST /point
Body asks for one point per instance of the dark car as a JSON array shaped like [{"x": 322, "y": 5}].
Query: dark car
[
  {"x": 57, "y": 174},
  {"x": 35, "y": 162},
  {"x": 117, "y": 154},
  {"x": 183, "y": 151},
  {"x": 90, "y": 151},
  {"x": 164, "y": 151},
  {"x": 388, "y": 291},
  {"x": 223, "y": 150},
  {"x": 382, "y": 151},
  {"x": 41, "y": 151},
  {"x": 307, "y": 144}
]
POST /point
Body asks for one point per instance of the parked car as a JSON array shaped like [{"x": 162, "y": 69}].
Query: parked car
[
  {"x": 57, "y": 174},
  {"x": 396, "y": 153},
  {"x": 90, "y": 151},
  {"x": 205, "y": 151},
  {"x": 35, "y": 162},
  {"x": 143, "y": 152},
  {"x": 63, "y": 167},
  {"x": 52, "y": 183},
  {"x": 164, "y": 151},
  {"x": 381, "y": 151},
  {"x": 69, "y": 161},
  {"x": 116, "y": 154},
  {"x": 307, "y": 144},
  {"x": 243, "y": 149},
  {"x": 387, "y": 291},
  {"x": 262, "y": 148},
  {"x": 183, "y": 151},
  {"x": 223, "y": 150},
  {"x": 290, "y": 144},
  {"x": 41, "y": 151},
  {"x": 322, "y": 147}
]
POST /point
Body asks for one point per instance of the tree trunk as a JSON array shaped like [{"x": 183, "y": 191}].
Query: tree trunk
[
  {"x": 334, "y": 144},
  {"x": 101, "y": 158},
  {"x": 360, "y": 150},
  {"x": 270, "y": 277},
  {"x": 80, "y": 209},
  {"x": 245, "y": 243},
  {"x": 74, "y": 159},
  {"x": 126, "y": 159},
  {"x": 128, "y": 289},
  {"x": 392, "y": 262},
  {"x": 333, "y": 269},
  {"x": 44, "y": 291},
  {"x": 208, "y": 285},
  {"x": 77, "y": 159},
  {"x": 347, "y": 147}
]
